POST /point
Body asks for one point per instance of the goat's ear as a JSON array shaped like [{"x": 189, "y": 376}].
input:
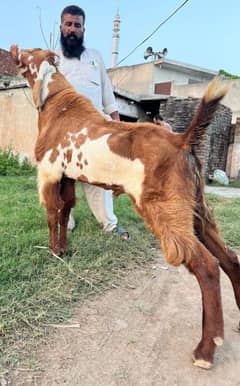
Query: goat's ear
[
  {"x": 37, "y": 94},
  {"x": 54, "y": 60},
  {"x": 41, "y": 84}
]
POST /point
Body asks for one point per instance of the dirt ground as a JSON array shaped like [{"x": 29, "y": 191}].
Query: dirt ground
[{"x": 140, "y": 333}]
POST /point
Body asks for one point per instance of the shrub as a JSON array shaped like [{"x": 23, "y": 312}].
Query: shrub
[{"x": 12, "y": 165}]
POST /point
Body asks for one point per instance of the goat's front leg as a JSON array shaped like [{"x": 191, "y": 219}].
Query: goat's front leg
[
  {"x": 52, "y": 219},
  {"x": 67, "y": 193},
  {"x": 51, "y": 198},
  {"x": 205, "y": 267}
]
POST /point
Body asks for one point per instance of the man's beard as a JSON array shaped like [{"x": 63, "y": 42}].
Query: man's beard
[{"x": 72, "y": 46}]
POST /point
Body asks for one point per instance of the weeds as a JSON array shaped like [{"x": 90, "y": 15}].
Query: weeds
[{"x": 12, "y": 164}]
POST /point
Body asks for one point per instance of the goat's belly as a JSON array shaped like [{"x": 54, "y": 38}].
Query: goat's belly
[
  {"x": 114, "y": 170},
  {"x": 94, "y": 162}
]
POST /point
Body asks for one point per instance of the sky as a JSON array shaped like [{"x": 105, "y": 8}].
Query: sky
[{"x": 202, "y": 33}]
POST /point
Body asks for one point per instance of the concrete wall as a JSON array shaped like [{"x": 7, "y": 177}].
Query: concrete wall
[
  {"x": 18, "y": 123},
  {"x": 233, "y": 164},
  {"x": 140, "y": 79},
  {"x": 136, "y": 79},
  {"x": 161, "y": 74}
]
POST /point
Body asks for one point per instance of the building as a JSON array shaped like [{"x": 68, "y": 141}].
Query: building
[{"x": 164, "y": 77}]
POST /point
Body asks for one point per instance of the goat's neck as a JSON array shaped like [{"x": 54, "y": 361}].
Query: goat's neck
[{"x": 58, "y": 85}]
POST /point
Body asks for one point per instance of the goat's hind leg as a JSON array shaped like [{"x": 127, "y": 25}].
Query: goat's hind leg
[
  {"x": 181, "y": 246},
  {"x": 205, "y": 267},
  {"x": 208, "y": 234},
  {"x": 67, "y": 192}
]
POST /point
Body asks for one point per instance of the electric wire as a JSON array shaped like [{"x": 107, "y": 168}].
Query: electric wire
[{"x": 154, "y": 31}]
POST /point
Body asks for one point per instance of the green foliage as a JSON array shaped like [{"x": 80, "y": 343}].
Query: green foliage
[
  {"x": 11, "y": 164},
  {"x": 227, "y": 75}
]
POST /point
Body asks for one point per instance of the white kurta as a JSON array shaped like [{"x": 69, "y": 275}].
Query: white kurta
[{"x": 89, "y": 77}]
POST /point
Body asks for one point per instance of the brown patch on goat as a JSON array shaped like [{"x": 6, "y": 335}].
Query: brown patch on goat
[
  {"x": 80, "y": 139},
  {"x": 54, "y": 155},
  {"x": 68, "y": 155},
  {"x": 65, "y": 142}
]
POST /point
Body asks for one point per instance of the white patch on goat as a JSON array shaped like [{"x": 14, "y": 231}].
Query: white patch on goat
[
  {"x": 45, "y": 74},
  {"x": 22, "y": 70},
  {"x": 33, "y": 68},
  {"x": 83, "y": 131},
  {"x": 47, "y": 175},
  {"x": 99, "y": 164},
  {"x": 30, "y": 57}
]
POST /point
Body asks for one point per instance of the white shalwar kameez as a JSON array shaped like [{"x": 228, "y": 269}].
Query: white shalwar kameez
[{"x": 89, "y": 77}]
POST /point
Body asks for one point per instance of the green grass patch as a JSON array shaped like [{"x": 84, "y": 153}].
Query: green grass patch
[
  {"x": 37, "y": 289},
  {"x": 232, "y": 184},
  {"x": 227, "y": 213}
]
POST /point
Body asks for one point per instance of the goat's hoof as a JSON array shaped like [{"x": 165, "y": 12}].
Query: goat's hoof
[
  {"x": 200, "y": 362},
  {"x": 56, "y": 251},
  {"x": 203, "y": 364},
  {"x": 63, "y": 250}
]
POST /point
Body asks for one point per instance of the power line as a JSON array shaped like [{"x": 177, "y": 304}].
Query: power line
[{"x": 156, "y": 29}]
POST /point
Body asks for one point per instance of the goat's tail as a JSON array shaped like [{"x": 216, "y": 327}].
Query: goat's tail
[{"x": 214, "y": 94}]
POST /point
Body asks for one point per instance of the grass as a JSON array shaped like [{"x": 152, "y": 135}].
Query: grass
[
  {"x": 227, "y": 213},
  {"x": 232, "y": 184},
  {"x": 37, "y": 289}
]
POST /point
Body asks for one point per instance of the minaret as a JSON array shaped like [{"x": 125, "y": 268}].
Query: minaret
[{"x": 115, "y": 39}]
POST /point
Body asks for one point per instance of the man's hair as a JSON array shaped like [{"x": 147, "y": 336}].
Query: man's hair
[
  {"x": 158, "y": 117},
  {"x": 73, "y": 10}
]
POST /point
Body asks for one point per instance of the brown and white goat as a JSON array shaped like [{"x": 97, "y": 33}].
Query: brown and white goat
[{"x": 155, "y": 167}]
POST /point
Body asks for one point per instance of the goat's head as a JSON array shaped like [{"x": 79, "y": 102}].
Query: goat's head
[{"x": 37, "y": 66}]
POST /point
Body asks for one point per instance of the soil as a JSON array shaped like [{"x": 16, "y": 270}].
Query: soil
[{"x": 140, "y": 333}]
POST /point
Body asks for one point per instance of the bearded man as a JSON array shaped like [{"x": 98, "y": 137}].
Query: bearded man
[{"x": 85, "y": 70}]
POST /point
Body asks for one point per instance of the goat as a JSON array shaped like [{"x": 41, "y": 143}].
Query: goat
[{"x": 155, "y": 167}]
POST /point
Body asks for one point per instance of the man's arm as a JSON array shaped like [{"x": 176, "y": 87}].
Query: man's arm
[{"x": 108, "y": 98}]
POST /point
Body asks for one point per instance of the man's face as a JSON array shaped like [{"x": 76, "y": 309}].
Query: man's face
[
  {"x": 72, "y": 25},
  {"x": 72, "y": 34}
]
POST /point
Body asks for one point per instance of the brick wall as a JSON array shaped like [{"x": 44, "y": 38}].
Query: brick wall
[
  {"x": 213, "y": 151},
  {"x": 7, "y": 66}
]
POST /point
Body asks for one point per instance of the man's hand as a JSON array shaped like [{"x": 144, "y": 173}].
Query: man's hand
[
  {"x": 115, "y": 116},
  {"x": 14, "y": 52}
]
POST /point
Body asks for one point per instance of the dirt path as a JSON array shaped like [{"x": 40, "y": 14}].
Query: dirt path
[{"x": 141, "y": 333}]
